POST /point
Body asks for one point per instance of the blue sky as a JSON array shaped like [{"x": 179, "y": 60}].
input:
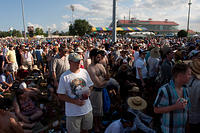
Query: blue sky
[{"x": 57, "y": 15}]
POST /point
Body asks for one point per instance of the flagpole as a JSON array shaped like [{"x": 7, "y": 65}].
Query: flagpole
[
  {"x": 114, "y": 22},
  {"x": 22, "y": 4}
]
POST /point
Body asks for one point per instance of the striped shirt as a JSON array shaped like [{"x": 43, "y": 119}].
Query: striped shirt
[{"x": 173, "y": 121}]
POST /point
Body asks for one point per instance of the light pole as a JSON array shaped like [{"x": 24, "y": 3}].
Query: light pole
[
  {"x": 72, "y": 8},
  {"x": 188, "y": 23},
  {"x": 22, "y": 3},
  {"x": 114, "y": 22}
]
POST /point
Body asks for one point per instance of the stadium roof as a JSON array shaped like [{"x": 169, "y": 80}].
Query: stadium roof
[{"x": 147, "y": 22}]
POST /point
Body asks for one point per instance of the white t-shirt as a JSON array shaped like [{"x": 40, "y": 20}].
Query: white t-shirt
[
  {"x": 141, "y": 63},
  {"x": 70, "y": 84}
]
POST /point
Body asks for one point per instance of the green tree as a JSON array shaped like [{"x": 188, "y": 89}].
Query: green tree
[
  {"x": 62, "y": 33},
  {"x": 39, "y": 31},
  {"x": 56, "y": 32},
  {"x": 16, "y": 33},
  {"x": 71, "y": 30},
  {"x": 182, "y": 33},
  {"x": 46, "y": 34},
  {"x": 80, "y": 27},
  {"x": 4, "y": 34}
]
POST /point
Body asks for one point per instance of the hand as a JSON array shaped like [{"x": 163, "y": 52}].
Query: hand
[
  {"x": 79, "y": 102},
  {"x": 85, "y": 96},
  {"x": 6, "y": 90},
  {"x": 181, "y": 103}
]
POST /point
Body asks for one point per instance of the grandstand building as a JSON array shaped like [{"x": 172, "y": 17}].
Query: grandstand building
[{"x": 158, "y": 27}]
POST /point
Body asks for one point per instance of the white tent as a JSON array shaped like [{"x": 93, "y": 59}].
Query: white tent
[
  {"x": 141, "y": 33},
  {"x": 196, "y": 35}
]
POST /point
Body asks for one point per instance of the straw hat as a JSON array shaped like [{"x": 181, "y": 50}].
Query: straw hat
[
  {"x": 90, "y": 45},
  {"x": 124, "y": 67},
  {"x": 78, "y": 50},
  {"x": 155, "y": 53},
  {"x": 137, "y": 103},
  {"x": 195, "y": 66},
  {"x": 187, "y": 61},
  {"x": 26, "y": 48},
  {"x": 23, "y": 67},
  {"x": 135, "y": 89},
  {"x": 35, "y": 67}
]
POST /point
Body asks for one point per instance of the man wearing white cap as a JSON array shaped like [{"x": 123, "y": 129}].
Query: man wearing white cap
[{"x": 74, "y": 88}]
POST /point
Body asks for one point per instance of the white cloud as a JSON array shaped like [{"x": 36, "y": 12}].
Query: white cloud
[
  {"x": 52, "y": 27},
  {"x": 35, "y": 25},
  {"x": 66, "y": 17},
  {"x": 99, "y": 12},
  {"x": 65, "y": 26}
]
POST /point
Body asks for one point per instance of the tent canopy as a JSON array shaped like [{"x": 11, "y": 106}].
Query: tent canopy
[{"x": 131, "y": 29}]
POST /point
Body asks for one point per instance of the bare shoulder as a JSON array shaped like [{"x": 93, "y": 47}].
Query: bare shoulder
[
  {"x": 91, "y": 68},
  {"x": 99, "y": 65}
]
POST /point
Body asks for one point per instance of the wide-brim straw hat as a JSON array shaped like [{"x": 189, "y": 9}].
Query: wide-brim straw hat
[
  {"x": 137, "y": 103},
  {"x": 155, "y": 53},
  {"x": 135, "y": 89},
  {"x": 26, "y": 48},
  {"x": 195, "y": 66},
  {"x": 124, "y": 67},
  {"x": 35, "y": 67},
  {"x": 78, "y": 50},
  {"x": 23, "y": 67}
]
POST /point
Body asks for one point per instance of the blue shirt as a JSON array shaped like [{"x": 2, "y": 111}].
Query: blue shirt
[
  {"x": 174, "y": 121},
  {"x": 117, "y": 127}
]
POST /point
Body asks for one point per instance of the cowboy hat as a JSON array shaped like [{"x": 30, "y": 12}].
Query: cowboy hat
[
  {"x": 137, "y": 103},
  {"x": 155, "y": 53},
  {"x": 35, "y": 67},
  {"x": 23, "y": 67},
  {"x": 195, "y": 66},
  {"x": 78, "y": 50},
  {"x": 135, "y": 89},
  {"x": 124, "y": 67}
]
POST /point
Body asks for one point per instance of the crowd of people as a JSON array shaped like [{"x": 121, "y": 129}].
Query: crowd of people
[{"x": 133, "y": 85}]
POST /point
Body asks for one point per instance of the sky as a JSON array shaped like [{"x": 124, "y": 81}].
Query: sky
[{"x": 57, "y": 14}]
